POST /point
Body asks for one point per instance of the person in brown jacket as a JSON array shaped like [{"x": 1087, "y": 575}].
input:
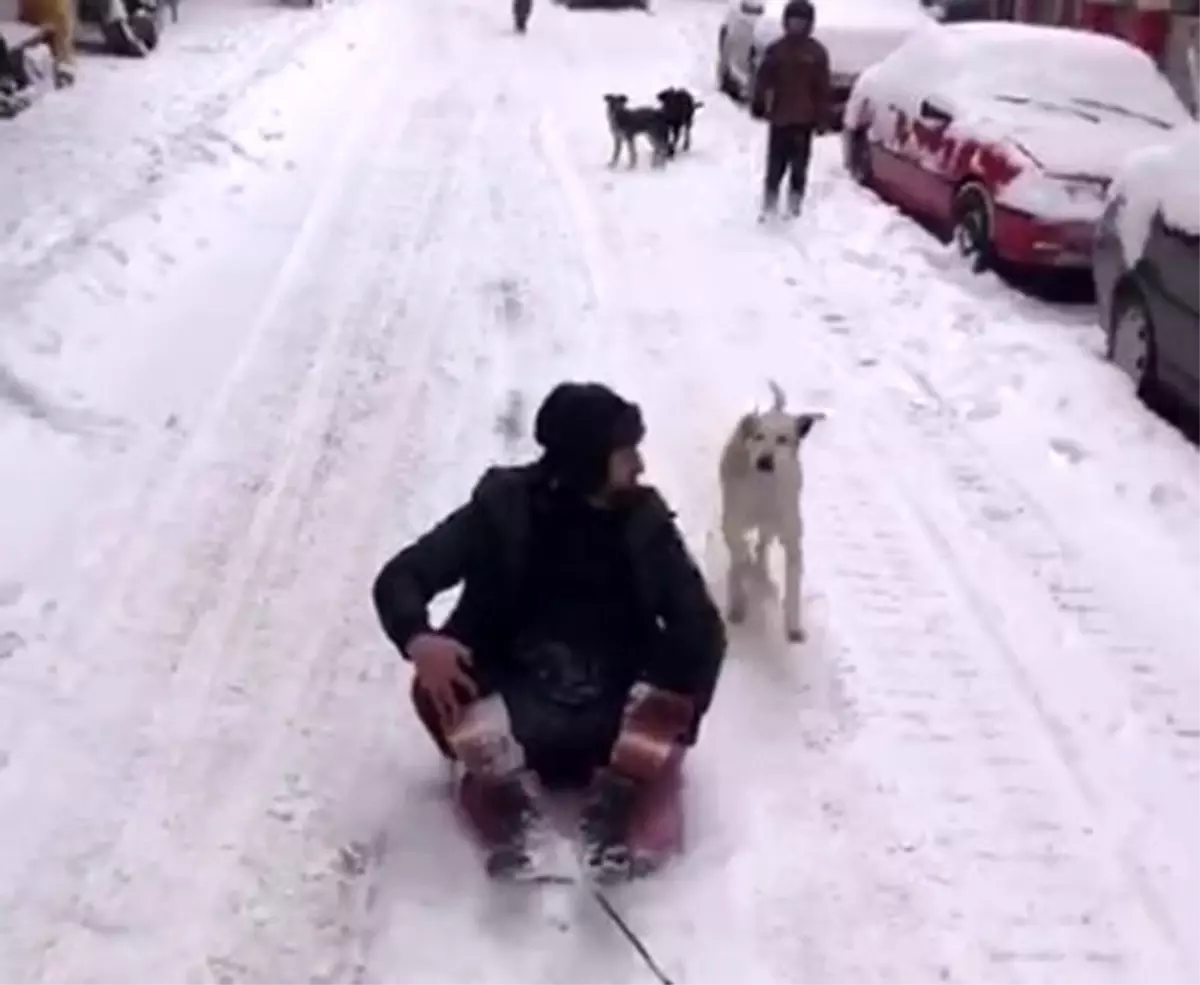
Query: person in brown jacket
[{"x": 791, "y": 92}]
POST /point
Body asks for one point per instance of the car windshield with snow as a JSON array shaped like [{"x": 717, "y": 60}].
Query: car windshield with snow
[
  {"x": 1007, "y": 135},
  {"x": 1146, "y": 269}
]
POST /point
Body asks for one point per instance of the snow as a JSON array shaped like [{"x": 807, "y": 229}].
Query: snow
[
  {"x": 1160, "y": 180},
  {"x": 1058, "y": 64},
  {"x": 226, "y": 401}
]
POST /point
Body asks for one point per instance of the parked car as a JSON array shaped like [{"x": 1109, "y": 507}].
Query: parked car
[
  {"x": 129, "y": 27},
  {"x": 605, "y": 4},
  {"x": 1147, "y": 269},
  {"x": 857, "y": 33},
  {"x": 1006, "y": 136}
]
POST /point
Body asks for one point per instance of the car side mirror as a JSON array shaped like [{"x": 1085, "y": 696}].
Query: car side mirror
[{"x": 934, "y": 113}]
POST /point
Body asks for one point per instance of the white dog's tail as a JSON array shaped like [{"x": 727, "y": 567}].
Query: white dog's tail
[{"x": 778, "y": 395}]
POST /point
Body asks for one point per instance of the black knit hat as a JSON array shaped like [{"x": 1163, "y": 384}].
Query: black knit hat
[
  {"x": 580, "y": 425},
  {"x": 799, "y": 10}
]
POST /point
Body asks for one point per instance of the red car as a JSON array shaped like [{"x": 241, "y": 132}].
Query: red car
[{"x": 1007, "y": 135}]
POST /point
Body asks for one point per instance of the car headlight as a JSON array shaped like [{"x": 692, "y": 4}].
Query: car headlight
[{"x": 1081, "y": 188}]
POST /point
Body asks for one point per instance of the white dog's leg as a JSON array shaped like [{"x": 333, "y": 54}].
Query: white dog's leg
[
  {"x": 760, "y": 558},
  {"x": 739, "y": 568},
  {"x": 792, "y": 577}
]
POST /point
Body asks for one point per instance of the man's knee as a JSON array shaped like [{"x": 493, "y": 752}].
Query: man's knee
[
  {"x": 482, "y": 738},
  {"x": 656, "y": 728}
]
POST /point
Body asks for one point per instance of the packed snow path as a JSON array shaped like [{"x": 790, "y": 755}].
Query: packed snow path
[{"x": 226, "y": 400}]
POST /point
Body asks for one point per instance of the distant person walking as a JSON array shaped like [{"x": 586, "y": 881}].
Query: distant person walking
[
  {"x": 521, "y": 9},
  {"x": 791, "y": 92}
]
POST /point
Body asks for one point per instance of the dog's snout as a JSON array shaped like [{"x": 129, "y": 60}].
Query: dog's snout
[{"x": 765, "y": 463}]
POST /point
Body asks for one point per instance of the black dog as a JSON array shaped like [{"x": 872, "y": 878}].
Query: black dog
[
  {"x": 626, "y": 123},
  {"x": 679, "y": 108}
]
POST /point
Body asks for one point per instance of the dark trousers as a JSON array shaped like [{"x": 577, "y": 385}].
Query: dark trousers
[
  {"x": 788, "y": 151},
  {"x": 521, "y": 10},
  {"x": 563, "y": 746}
]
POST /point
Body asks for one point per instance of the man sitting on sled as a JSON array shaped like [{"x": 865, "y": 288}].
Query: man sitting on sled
[{"x": 585, "y": 647}]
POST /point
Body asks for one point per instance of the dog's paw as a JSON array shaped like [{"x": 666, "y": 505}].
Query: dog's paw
[{"x": 796, "y": 635}]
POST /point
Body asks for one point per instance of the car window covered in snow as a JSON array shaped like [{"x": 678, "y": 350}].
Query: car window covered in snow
[
  {"x": 1075, "y": 71},
  {"x": 1165, "y": 180}
]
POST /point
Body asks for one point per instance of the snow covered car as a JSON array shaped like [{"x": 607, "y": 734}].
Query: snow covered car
[
  {"x": 1146, "y": 268},
  {"x": 857, "y": 34},
  {"x": 1007, "y": 135}
]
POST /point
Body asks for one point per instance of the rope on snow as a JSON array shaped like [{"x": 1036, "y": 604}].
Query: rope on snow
[{"x": 631, "y": 936}]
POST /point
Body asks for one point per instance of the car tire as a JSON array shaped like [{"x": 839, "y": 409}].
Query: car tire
[
  {"x": 971, "y": 227},
  {"x": 747, "y": 93},
  {"x": 858, "y": 157},
  {"x": 1132, "y": 346}
]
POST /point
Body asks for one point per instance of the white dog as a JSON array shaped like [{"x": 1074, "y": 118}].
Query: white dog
[{"x": 761, "y": 484}]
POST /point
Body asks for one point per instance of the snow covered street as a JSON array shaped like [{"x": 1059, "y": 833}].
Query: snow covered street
[{"x": 262, "y": 330}]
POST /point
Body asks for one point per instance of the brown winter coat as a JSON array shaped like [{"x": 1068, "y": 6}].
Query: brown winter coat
[{"x": 792, "y": 85}]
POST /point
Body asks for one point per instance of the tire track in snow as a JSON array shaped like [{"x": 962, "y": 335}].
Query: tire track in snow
[
  {"x": 215, "y": 714},
  {"x": 783, "y": 906},
  {"x": 1099, "y": 639},
  {"x": 142, "y": 566},
  {"x": 24, "y": 271},
  {"x": 1047, "y": 865},
  {"x": 1010, "y": 645}
]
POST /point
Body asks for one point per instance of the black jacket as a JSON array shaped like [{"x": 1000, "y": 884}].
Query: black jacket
[{"x": 484, "y": 544}]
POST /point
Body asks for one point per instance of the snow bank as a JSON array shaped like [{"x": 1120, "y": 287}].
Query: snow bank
[{"x": 1163, "y": 179}]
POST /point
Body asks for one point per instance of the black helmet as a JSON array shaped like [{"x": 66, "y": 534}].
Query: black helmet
[
  {"x": 580, "y": 425},
  {"x": 799, "y": 10}
]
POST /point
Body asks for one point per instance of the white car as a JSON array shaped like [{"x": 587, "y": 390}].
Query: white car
[
  {"x": 857, "y": 33},
  {"x": 1007, "y": 135}
]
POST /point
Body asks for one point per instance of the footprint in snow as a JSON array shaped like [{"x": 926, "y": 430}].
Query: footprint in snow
[
  {"x": 10, "y": 593},
  {"x": 10, "y": 643},
  {"x": 1070, "y": 451},
  {"x": 508, "y": 421},
  {"x": 1165, "y": 494}
]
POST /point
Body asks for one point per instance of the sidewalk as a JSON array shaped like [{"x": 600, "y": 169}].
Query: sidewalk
[{"x": 92, "y": 153}]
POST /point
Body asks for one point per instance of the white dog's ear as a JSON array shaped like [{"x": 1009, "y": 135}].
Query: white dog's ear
[
  {"x": 805, "y": 422},
  {"x": 747, "y": 426}
]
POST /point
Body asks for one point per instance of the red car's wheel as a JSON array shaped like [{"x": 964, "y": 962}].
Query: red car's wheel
[
  {"x": 858, "y": 157},
  {"x": 971, "y": 226}
]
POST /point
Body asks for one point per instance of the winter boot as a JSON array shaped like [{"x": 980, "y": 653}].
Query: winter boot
[
  {"x": 795, "y": 205},
  {"x": 514, "y": 822},
  {"x": 605, "y": 827}
]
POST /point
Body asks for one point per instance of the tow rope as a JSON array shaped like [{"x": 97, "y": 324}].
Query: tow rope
[{"x": 631, "y": 936}]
